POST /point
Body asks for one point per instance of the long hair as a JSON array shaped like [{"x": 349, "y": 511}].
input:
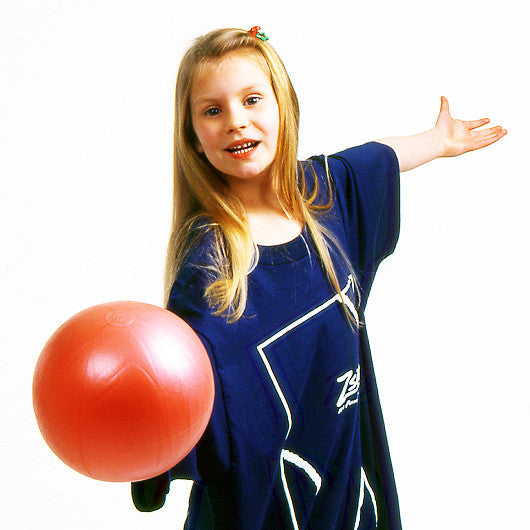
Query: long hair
[{"x": 200, "y": 192}]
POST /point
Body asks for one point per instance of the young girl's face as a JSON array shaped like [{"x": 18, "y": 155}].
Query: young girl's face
[{"x": 235, "y": 116}]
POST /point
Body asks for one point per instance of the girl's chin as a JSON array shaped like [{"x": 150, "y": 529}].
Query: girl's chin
[{"x": 250, "y": 172}]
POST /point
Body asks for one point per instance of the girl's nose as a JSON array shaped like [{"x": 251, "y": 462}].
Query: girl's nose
[{"x": 236, "y": 120}]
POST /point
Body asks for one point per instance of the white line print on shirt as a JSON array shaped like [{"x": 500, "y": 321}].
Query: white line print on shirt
[
  {"x": 299, "y": 462},
  {"x": 288, "y": 456},
  {"x": 364, "y": 485}
]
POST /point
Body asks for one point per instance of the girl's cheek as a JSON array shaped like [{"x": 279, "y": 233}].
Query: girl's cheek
[
  {"x": 210, "y": 138},
  {"x": 270, "y": 119},
  {"x": 204, "y": 133}
]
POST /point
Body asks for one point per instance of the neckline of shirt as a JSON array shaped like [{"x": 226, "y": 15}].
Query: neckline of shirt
[{"x": 288, "y": 252}]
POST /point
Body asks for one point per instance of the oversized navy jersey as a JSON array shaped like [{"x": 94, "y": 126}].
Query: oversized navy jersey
[{"x": 296, "y": 439}]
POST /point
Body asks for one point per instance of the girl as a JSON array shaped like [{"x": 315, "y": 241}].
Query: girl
[{"x": 271, "y": 261}]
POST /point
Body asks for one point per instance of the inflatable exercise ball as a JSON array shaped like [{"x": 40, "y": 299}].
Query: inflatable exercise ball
[{"x": 123, "y": 391}]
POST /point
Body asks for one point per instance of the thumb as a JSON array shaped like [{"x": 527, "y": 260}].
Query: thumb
[
  {"x": 444, "y": 105},
  {"x": 444, "y": 115}
]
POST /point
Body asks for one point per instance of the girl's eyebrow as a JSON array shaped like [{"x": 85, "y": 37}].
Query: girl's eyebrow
[
  {"x": 206, "y": 98},
  {"x": 256, "y": 86}
]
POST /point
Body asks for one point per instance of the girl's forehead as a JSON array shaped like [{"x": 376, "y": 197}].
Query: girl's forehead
[{"x": 244, "y": 58}]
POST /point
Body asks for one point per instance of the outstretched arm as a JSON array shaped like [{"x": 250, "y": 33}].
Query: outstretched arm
[{"x": 449, "y": 137}]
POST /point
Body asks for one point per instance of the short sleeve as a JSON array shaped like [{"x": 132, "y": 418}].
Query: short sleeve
[
  {"x": 211, "y": 454},
  {"x": 365, "y": 182}
]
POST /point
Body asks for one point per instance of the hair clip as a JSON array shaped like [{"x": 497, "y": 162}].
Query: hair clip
[{"x": 256, "y": 33}]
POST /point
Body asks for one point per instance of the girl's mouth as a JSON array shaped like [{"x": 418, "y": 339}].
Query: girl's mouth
[{"x": 242, "y": 149}]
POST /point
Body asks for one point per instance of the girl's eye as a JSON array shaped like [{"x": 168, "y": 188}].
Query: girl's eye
[
  {"x": 212, "y": 111},
  {"x": 252, "y": 100}
]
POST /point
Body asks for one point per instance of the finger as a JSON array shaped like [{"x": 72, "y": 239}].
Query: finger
[
  {"x": 485, "y": 140},
  {"x": 473, "y": 124},
  {"x": 485, "y": 133}
]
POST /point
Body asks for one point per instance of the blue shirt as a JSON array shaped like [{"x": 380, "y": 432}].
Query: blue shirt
[{"x": 296, "y": 438}]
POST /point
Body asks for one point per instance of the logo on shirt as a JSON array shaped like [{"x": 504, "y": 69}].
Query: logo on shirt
[{"x": 350, "y": 391}]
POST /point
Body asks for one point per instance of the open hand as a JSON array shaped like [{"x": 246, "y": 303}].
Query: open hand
[{"x": 459, "y": 137}]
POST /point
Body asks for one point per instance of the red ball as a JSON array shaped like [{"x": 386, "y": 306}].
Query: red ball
[{"x": 123, "y": 391}]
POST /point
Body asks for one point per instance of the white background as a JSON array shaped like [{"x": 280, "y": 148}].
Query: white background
[{"x": 86, "y": 121}]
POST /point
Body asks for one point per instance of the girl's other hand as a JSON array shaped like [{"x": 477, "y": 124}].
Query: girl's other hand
[{"x": 459, "y": 136}]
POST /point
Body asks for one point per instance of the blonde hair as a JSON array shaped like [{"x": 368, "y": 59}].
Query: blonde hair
[{"x": 200, "y": 192}]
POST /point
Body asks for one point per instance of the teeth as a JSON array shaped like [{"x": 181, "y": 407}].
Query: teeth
[{"x": 243, "y": 148}]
